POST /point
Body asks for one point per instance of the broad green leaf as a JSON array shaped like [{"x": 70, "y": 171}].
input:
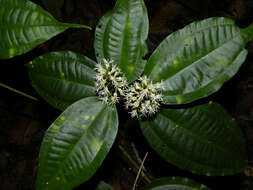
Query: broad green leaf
[
  {"x": 76, "y": 144},
  {"x": 174, "y": 183},
  {"x": 202, "y": 139},
  {"x": 103, "y": 186},
  {"x": 62, "y": 78},
  {"x": 120, "y": 36},
  {"x": 195, "y": 61},
  {"x": 24, "y": 25}
]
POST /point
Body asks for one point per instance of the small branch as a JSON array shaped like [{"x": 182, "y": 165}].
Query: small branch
[
  {"x": 18, "y": 92},
  {"x": 139, "y": 172},
  {"x": 134, "y": 164},
  {"x": 137, "y": 156}
]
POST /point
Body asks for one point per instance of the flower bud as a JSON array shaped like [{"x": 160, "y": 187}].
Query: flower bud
[
  {"x": 143, "y": 98},
  {"x": 110, "y": 83}
]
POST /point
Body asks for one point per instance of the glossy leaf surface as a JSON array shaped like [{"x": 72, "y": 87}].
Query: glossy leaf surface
[
  {"x": 24, "y": 25},
  {"x": 174, "y": 183},
  {"x": 120, "y": 36},
  {"x": 202, "y": 139},
  {"x": 195, "y": 61},
  {"x": 62, "y": 78},
  {"x": 76, "y": 144},
  {"x": 103, "y": 186}
]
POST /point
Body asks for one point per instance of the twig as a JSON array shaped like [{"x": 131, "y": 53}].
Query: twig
[
  {"x": 139, "y": 172},
  {"x": 18, "y": 92},
  {"x": 133, "y": 163},
  {"x": 137, "y": 156}
]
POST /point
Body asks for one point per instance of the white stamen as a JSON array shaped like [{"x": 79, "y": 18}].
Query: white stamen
[{"x": 143, "y": 98}]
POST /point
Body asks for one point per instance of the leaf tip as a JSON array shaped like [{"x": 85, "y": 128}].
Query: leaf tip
[{"x": 79, "y": 26}]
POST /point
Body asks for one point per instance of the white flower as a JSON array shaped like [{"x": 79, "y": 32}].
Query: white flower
[
  {"x": 110, "y": 82},
  {"x": 143, "y": 98}
]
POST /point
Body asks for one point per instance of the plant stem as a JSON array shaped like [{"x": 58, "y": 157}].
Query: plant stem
[
  {"x": 18, "y": 92},
  {"x": 139, "y": 172},
  {"x": 134, "y": 164}
]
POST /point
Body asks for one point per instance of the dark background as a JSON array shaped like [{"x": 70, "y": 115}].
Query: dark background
[{"x": 23, "y": 122}]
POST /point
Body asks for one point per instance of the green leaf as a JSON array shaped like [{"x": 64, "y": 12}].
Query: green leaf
[
  {"x": 62, "y": 78},
  {"x": 195, "y": 61},
  {"x": 103, "y": 186},
  {"x": 120, "y": 36},
  {"x": 76, "y": 144},
  {"x": 24, "y": 25},
  {"x": 174, "y": 183},
  {"x": 202, "y": 139},
  {"x": 247, "y": 33}
]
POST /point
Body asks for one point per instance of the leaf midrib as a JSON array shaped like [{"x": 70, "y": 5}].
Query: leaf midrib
[
  {"x": 197, "y": 165},
  {"x": 123, "y": 39},
  {"x": 74, "y": 145},
  {"x": 207, "y": 84},
  {"x": 197, "y": 137},
  {"x": 197, "y": 60},
  {"x": 198, "y": 31}
]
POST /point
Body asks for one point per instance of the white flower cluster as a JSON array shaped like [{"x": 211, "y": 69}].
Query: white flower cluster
[
  {"x": 143, "y": 98},
  {"x": 110, "y": 83}
]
